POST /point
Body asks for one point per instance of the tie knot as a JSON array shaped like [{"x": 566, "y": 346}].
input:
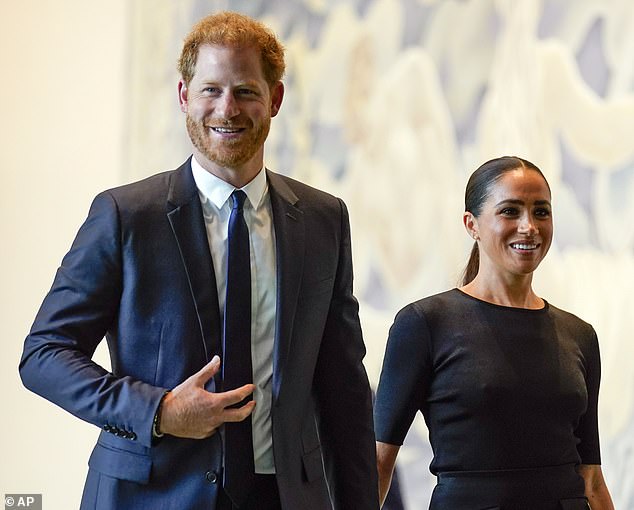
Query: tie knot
[{"x": 238, "y": 197}]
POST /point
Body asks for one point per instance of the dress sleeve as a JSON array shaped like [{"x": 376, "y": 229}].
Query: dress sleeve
[
  {"x": 404, "y": 377},
  {"x": 588, "y": 430}
]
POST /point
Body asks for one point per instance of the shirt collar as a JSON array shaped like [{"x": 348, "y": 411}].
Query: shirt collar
[{"x": 218, "y": 191}]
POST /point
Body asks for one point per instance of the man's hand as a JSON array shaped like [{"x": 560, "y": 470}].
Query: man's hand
[{"x": 189, "y": 410}]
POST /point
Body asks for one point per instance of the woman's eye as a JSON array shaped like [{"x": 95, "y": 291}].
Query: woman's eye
[
  {"x": 542, "y": 213},
  {"x": 509, "y": 211}
]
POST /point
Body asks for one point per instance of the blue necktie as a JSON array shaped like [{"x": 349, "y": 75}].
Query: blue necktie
[{"x": 239, "y": 471}]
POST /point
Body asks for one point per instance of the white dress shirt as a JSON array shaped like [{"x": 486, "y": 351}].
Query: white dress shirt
[{"x": 214, "y": 195}]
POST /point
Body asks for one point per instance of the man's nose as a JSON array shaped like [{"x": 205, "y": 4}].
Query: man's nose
[{"x": 227, "y": 106}]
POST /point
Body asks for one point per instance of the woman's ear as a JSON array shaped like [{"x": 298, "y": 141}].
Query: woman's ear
[{"x": 471, "y": 225}]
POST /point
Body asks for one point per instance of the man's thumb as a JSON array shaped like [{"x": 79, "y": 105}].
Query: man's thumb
[{"x": 208, "y": 371}]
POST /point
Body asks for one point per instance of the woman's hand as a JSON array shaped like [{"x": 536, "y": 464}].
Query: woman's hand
[
  {"x": 385, "y": 460},
  {"x": 596, "y": 489}
]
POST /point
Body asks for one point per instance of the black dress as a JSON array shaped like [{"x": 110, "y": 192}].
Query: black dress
[{"x": 509, "y": 396}]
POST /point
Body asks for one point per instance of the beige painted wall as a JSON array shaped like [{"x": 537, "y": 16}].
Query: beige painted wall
[{"x": 62, "y": 125}]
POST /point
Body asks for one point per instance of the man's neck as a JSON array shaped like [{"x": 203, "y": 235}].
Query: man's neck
[{"x": 238, "y": 176}]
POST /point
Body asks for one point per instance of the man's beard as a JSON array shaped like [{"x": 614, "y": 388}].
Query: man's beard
[{"x": 229, "y": 153}]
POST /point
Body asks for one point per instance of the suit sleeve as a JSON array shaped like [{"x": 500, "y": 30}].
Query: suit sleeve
[
  {"x": 81, "y": 307},
  {"x": 343, "y": 393}
]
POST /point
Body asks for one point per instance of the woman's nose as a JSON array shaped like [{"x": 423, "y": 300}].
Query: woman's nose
[{"x": 527, "y": 225}]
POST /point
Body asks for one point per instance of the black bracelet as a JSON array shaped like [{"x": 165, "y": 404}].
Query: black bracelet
[{"x": 156, "y": 432}]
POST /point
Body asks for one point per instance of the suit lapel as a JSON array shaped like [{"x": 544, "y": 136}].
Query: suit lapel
[
  {"x": 288, "y": 221},
  {"x": 186, "y": 219}
]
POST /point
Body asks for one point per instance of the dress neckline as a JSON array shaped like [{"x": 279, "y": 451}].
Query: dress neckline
[{"x": 504, "y": 307}]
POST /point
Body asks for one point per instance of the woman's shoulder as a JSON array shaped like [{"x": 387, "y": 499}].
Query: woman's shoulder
[
  {"x": 567, "y": 317},
  {"x": 452, "y": 297},
  {"x": 431, "y": 306},
  {"x": 571, "y": 322}
]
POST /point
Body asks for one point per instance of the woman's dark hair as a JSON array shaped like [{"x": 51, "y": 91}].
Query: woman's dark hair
[{"x": 478, "y": 190}]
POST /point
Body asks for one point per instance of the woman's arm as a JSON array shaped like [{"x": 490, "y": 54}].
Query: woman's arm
[
  {"x": 385, "y": 460},
  {"x": 596, "y": 489}
]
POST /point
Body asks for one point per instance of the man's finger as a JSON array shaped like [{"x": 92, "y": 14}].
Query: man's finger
[
  {"x": 207, "y": 372},
  {"x": 230, "y": 397},
  {"x": 238, "y": 414}
]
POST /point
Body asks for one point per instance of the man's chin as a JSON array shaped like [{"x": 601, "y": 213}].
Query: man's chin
[{"x": 228, "y": 159}]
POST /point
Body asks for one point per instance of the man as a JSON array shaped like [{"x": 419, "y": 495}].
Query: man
[{"x": 224, "y": 291}]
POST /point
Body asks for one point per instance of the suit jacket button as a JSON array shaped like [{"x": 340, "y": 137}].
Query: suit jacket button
[
  {"x": 107, "y": 428},
  {"x": 132, "y": 435},
  {"x": 211, "y": 477}
]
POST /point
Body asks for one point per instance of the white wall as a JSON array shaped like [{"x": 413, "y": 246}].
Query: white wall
[{"x": 62, "y": 124}]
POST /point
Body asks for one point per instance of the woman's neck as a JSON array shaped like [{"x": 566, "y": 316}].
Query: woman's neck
[{"x": 516, "y": 291}]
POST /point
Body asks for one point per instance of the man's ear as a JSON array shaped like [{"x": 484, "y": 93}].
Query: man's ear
[
  {"x": 182, "y": 96},
  {"x": 277, "y": 94},
  {"x": 470, "y": 223}
]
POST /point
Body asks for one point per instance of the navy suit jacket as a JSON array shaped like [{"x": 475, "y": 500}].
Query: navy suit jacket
[{"x": 140, "y": 273}]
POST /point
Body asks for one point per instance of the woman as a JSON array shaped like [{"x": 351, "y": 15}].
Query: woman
[{"x": 507, "y": 383}]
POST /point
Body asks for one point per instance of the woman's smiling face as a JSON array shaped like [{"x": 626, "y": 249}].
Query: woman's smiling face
[{"x": 514, "y": 229}]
